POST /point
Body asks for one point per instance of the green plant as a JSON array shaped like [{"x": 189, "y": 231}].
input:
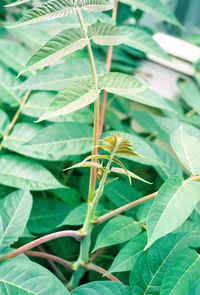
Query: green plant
[{"x": 68, "y": 218}]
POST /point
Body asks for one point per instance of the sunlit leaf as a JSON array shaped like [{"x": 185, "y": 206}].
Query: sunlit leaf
[
  {"x": 59, "y": 8},
  {"x": 14, "y": 211},
  {"x": 117, "y": 230},
  {"x": 70, "y": 99},
  {"x": 171, "y": 207},
  {"x": 21, "y": 172},
  {"x": 187, "y": 149}
]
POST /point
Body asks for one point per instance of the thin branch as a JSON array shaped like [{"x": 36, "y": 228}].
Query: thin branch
[
  {"x": 14, "y": 119},
  {"x": 108, "y": 63},
  {"x": 93, "y": 173},
  {"x": 53, "y": 265},
  {"x": 91, "y": 266},
  {"x": 97, "y": 254},
  {"x": 50, "y": 257},
  {"x": 125, "y": 208},
  {"x": 65, "y": 233},
  {"x": 134, "y": 204}
]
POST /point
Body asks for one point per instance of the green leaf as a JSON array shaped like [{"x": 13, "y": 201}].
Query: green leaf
[
  {"x": 18, "y": 2},
  {"x": 57, "y": 141},
  {"x": 70, "y": 99},
  {"x": 120, "y": 193},
  {"x": 4, "y": 122},
  {"x": 151, "y": 266},
  {"x": 77, "y": 215},
  {"x": 171, "y": 167},
  {"x": 59, "y": 76},
  {"x": 46, "y": 215},
  {"x": 60, "y": 45},
  {"x": 23, "y": 277},
  {"x": 129, "y": 87},
  {"x": 171, "y": 207},
  {"x": 156, "y": 8},
  {"x": 187, "y": 149},
  {"x": 7, "y": 93},
  {"x": 195, "y": 288},
  {"x": 117, "y": 230},
  {"x": 16, "y": 56},
  {"x": 128, "y": 173},
  {"x": 106, "y": 34},
  {"x": 141, "y": 40},
  {"x": 34, "y": 38},
  {"x": 14, "y": 211},
  {"x": 101, "y": 288},
  {"x": 141, "y": 147},
  {"x": 182, "y": 275},
  {"x": 16, "y": 171},
  {"x": 59, "y": 8},
  {"x": 127, "y": 256},
  {"x": 190, "y": 93},
  {"x": 38, "y": 102}
]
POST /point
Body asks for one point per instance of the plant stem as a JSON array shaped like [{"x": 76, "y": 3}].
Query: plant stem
[
  {"x": 97, "y": 254},
  {"x": 14, "y": 119},
  {"x": 57, "y": 271},
  {"x": 91, "y": 266},
  {"x": 93, "y": 174},
  {"x": 125, "y": 208},
  {"x": 65, "y": 233},
  {"x": 108, "y": 63},
  {"x": 50, "y": 257}
]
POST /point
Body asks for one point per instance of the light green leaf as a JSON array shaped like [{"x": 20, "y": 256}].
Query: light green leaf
[
  {"x": 57, "y": 141},
  {"x": 16, "y": 171},
  {"x": 7, "y": 93},
  {"x": 129, "y": 87},
  {"x": 77, "y": 215},
  {"x": 156, "y": 8},
  {"x": 101, "y": 288},
  {"x": 187, "y": 149},
  {"x": 1, "y": 230},
  {"x": 14, "y": 211},
  {"x": 171, "y": 167},
  {"x": 60, "y": 45},
  {"x": 151, "y": 266},
  {"x": 70, "y": 99},
  {"x": 59, "y": 8},
  {"x": 141, "y": 40},
  {"x": 71, "y": 40},
  {"x": 4, "y": 122},
  {"x": 106, "y": 34},
  {"x": 59, "y": 76},
  {"x": 120, "y": 193},
  {"x": 117, "y": 230},
  {"x": 195, "y": 288},
  {"x": 171, "y": 207},
  {"x": 141, "y": 147},
  {"x": 16, "y": 56},
  {"x": 34, "y": 38},
  {"x": 23, "y": 277},
  {"x": 127, "y": 256},
  {"x": 38, "y": 102},
  {"x": 182, "y": 275},
  {"x": 46, "y": 215},
  {"x": 18, "y": 2},
  {"x": 190, "y": 93}
]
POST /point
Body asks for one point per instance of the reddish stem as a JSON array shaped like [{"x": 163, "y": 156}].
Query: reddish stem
[
  {"x": 97, "y": 254},
  {"x": 108, "y": 63},
  {"x": 102, "y": 271},
  {"x": 50, "y": 257},
  {"x": 53, "y": 265},
  {"x": 65, "y": 233},
  {"x": 125, "y": 208}
]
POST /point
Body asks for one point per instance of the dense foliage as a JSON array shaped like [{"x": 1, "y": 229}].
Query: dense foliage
[{"x": 83, "y": 193}]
